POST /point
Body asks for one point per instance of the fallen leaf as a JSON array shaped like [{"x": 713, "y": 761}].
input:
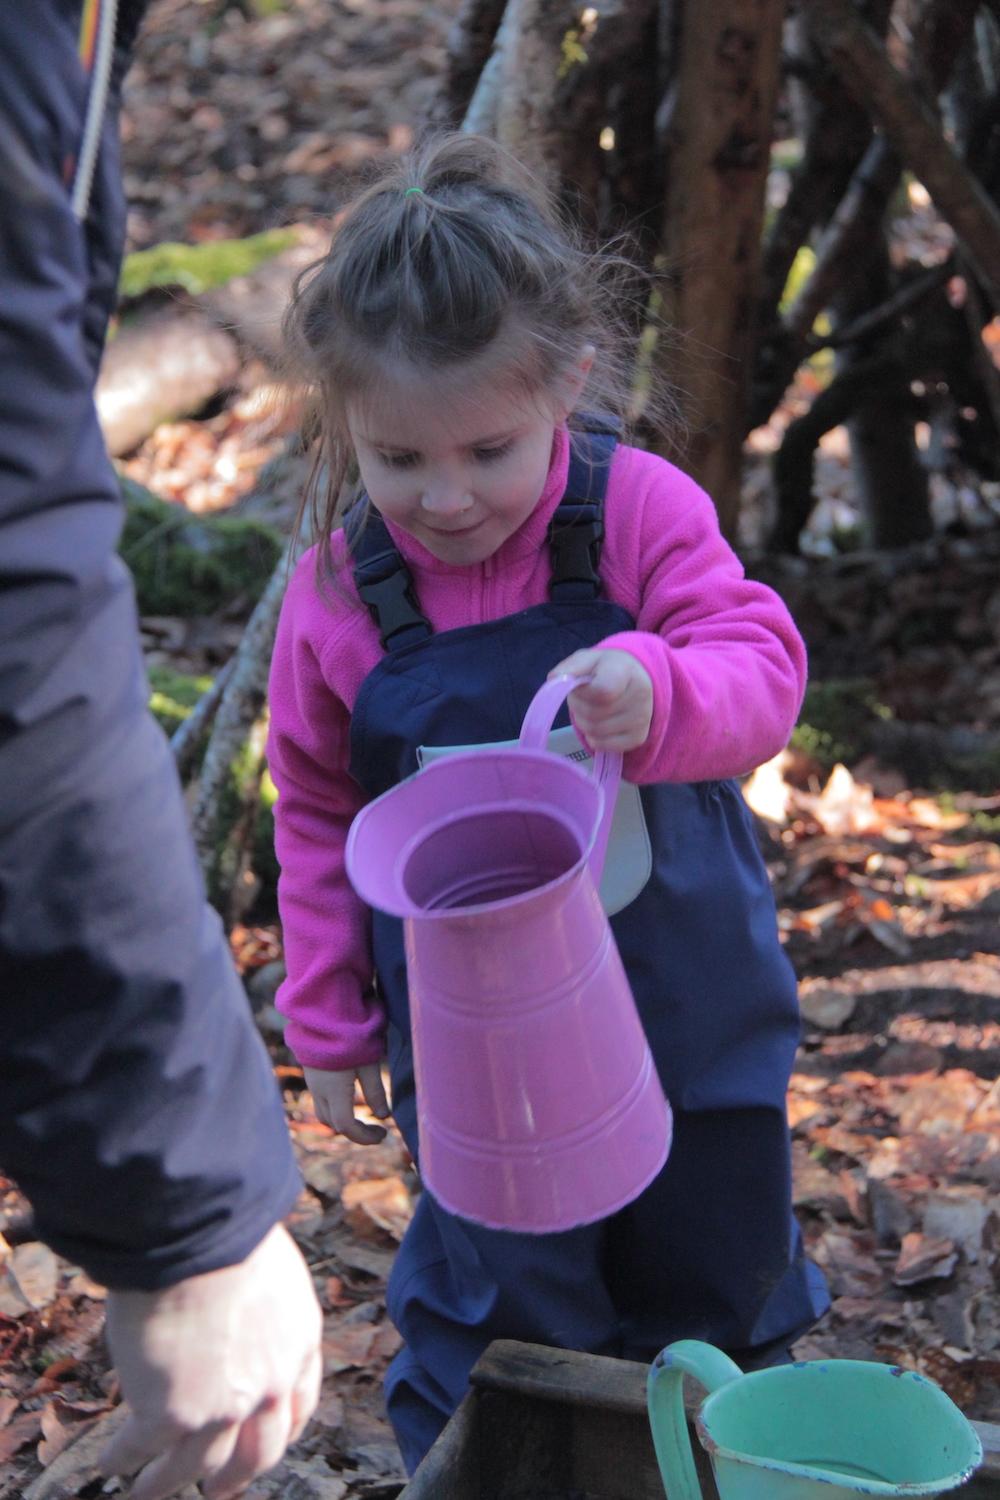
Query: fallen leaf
[
  {"x": 802, "y": 1110},
  {"x": 55, "y": 1372},
  {"x": 313, "y": 1480},
  {"x": 849, "y": 1262},
  {"x": 941, "y": 1105},
  {"x": 19, "y": 1433},
  {"x": 28, "y": 1280},
  {"x": 927, "y": 813},
  {"x": 372, "y": 1260},
  {"x": 323, "y": 1172},
  {"x": 960, "y": 1213},
  {"x": 76, "y": 1466},
  {"x": 61, "y": 1425},
  {"x": 767, "y": 793},
  {"x": 329, "y": 1413},
  {"x": 826, "y": 1007},
  {"x": 844, "y": 805},
  {"x": 923, "y": 1259},
  {"x": 381, "y": 1205},
  {"x": 348, "y": 1348}
]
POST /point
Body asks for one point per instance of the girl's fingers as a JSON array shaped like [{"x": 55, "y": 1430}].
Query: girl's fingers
[
  {"x": 357, "y": 1131},
  {"x": 370, "y": 1078}
]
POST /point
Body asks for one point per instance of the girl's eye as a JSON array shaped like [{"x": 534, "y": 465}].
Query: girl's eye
[
  {"x": 490, "y": 455},
  {"x": 398, "y": 460}
]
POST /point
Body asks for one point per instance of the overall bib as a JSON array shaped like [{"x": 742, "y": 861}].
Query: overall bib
[{"x": 710, "y": 1250}]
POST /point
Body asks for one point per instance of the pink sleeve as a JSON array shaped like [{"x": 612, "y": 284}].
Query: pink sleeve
[
  {"x": 727, "y": 663},
  {"x": 334, "y": 1020}
]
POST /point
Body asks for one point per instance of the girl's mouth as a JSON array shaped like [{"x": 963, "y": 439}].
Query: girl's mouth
[{"x": 455, "y": 530}]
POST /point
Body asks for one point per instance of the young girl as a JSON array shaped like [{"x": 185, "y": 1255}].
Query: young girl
[{"x": 451, "y": 334}]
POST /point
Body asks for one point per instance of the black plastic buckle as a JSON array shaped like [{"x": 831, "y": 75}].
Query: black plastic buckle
[
  {"x": 576, "y": 550},
  {"x": 390, "y": 599}
]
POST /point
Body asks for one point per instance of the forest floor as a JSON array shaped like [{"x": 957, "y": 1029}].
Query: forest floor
[{"x": 245, "y": 117}]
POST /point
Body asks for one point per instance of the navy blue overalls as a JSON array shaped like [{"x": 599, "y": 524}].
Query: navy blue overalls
[{"x": 710, "y": 1250}]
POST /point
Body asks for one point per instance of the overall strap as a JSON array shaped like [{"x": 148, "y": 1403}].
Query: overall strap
[
  {"x": 576, "y": 530},
  {"x": 382, "y": 579}
]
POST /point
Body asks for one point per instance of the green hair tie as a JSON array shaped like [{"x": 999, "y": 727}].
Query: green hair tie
[{"x": 413, "y": 190}]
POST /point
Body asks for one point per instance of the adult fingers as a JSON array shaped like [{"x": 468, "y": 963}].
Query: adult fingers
[
  {"x": 134, "y": 1445},
  {"x": 203, "y": 1452},
  {"x": 373, "y": 1089},
  {"x": 259, "y": 1445},
  {"x": 305, "y": 1397}
]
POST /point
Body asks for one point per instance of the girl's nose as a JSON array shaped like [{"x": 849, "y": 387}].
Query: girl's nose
[{"x": 445, "y": 500}]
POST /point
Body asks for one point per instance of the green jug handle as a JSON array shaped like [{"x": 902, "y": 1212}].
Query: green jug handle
[{"x": 665, "y": 1398}]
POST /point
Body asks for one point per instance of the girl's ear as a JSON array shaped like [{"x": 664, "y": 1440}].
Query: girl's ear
[{"x": 573, "y": 381}]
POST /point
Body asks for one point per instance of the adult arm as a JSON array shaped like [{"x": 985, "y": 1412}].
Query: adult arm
[
  {"x": 138, "y": 1110},
  {"x": 137, "y": 1106}
]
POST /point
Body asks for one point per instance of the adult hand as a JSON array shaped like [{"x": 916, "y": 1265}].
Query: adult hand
[
  {"x": 613, "y": 711},
  {"x": 222, "y": 1371},
  {"x": 333, "y": 1100}
]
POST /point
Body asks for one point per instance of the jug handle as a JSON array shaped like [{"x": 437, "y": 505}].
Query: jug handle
[
  {"x": 607, "y": 763},
  {"x": 667, "y": 1419}
]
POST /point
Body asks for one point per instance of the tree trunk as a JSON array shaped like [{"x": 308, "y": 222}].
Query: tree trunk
[
  {"x": 470, "y": 42},
  {"x": 530, "y": 67},
  {"x": 891, "y": 480},
  {"x": 719, "y": 137}
]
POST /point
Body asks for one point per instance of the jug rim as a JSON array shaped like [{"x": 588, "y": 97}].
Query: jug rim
[
  {"x": 447, "y": 765},
  {"x": 473, "y": 908},
  {"x": 816, "y": 1472}
]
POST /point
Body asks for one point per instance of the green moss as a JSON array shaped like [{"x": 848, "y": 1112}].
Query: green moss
[
  {"x": 573, "y": 54},
  {"x": 836, "y": 721},
  {"x": 198, "y": 268},
  {"x": 194, "y": 565},
  {"x": 802, "y": 268},
  {"x": 173, "y": 695}
]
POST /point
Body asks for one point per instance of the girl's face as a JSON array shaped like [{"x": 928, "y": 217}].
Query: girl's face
[{"x": 460, "y": 473}]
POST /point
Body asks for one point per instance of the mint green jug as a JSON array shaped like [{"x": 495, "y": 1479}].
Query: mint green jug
[{"x": 823, "y": 1430}]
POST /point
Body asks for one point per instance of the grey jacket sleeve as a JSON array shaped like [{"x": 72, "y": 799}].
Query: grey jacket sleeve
[{"x": 138, "y": 1109}]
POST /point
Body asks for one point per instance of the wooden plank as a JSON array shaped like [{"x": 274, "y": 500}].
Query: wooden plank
[
  {"x": 525, "y": 1447},
  {"x": 609, "y": 1451},
  {"x": 450, "y": 1470},
  {"x": 562, "y": 1375},
  {"x": 613, "y": 1458}
]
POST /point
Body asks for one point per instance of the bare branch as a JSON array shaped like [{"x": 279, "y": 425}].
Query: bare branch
[{"x": 915, "y": 133}]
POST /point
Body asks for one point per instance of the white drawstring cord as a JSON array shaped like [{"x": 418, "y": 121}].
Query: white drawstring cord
[{"x": 100, "y": 81}]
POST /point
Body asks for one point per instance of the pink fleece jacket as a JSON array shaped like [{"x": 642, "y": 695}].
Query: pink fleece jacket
[{"x": 728, "y": 671}]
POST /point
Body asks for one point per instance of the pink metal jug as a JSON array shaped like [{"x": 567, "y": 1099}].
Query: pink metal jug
[{"x": 539, "y": 1106}]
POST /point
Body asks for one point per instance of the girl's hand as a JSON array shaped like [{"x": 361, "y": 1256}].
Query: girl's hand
[
  {"x": 333, "y": 1100},
  {"x": 615, "y": 709}
]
